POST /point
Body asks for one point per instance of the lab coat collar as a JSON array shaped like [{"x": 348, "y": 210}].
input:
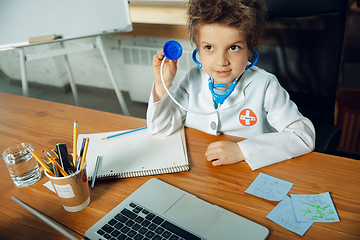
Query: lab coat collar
[
  {"x": 235, "y": 97},
  {"x": 205, "y": 95},
  {"x": 239, "y": 91}
]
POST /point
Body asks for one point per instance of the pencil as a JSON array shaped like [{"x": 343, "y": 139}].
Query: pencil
[
  {"x": 78, "y": 163},
  {"x": 55, "y": 153},
  {"x": 55, "y": 169},
  {"x": 123, "y": 133},
  {"x": 42, "y": 163},
  {"x": 49, "y": 165},
  {"x": 51, "y": 159},
  {"x": 95, "y": 172},
  {"x": 84, "y": 154},
  {"x": 75, "y": 143}
]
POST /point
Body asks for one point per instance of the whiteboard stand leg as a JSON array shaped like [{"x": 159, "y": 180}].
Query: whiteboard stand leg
[
  {"x": 116, "y": 88},
  {"x": 71, "y": 79},
  {"x": 25, "y": 87}
]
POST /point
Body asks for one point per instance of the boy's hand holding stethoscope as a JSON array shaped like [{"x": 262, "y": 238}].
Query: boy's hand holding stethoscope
[{"x": 169, "y": 72}]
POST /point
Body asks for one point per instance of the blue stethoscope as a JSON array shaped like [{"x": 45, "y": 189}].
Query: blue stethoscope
[{"x": 173, "y": 51}]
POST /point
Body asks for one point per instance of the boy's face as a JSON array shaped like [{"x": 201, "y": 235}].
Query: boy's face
[{"x": 223, "y": 51}]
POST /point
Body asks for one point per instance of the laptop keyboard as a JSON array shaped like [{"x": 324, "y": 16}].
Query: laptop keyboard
[{"x": 136, "y": 222}]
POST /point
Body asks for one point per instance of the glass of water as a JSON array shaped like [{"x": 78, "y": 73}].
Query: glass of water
[{"x": 22, "y": 166}]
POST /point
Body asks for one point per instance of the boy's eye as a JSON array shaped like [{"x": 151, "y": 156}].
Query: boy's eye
[
  {"x": 235, "y": 48},
  {"x": 209, "y": 48}
]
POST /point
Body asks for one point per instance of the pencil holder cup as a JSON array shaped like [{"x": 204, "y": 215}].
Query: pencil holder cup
[{"x": 73, "y": 190}]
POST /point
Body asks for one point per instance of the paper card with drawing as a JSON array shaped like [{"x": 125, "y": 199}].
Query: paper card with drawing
[
  {"x": 268, "y": 187},
  {"x": 284, "y": 215},
  {"x": 314, "y": 208}
]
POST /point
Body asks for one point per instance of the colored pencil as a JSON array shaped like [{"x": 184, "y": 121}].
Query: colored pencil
[
  {"x": 51, "y": 159},
  {"x": 38, "y": 159},
  {"x": 75, "y": 143},
  {"x": 84, "y": 154},
  {"x": 123, "y": 133}
]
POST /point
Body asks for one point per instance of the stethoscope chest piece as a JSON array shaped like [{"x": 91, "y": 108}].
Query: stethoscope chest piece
[{"x": 172, "y": 50}]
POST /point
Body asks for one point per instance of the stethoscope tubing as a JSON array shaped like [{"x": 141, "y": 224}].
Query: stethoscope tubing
[{"x": 174, "y": 100}]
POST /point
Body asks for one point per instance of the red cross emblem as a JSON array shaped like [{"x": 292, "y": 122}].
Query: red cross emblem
[{"x": 247, "y": 117}]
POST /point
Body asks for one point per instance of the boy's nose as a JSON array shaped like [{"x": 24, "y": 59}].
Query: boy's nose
[{"x": 222, "y": 59}]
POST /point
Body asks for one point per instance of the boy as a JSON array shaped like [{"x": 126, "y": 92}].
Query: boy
[{"x": 225, "y": 33}]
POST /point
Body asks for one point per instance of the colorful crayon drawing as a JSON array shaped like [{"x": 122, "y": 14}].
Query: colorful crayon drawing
[
  {"x": 318, "y": 212},
  {"x": 314, "y": 208}
]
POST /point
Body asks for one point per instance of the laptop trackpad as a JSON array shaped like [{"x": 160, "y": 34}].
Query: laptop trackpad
[{"x": 194, "y": 213}]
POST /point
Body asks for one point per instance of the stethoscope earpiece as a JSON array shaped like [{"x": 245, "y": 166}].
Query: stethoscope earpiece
[
  {"x": 172, "y": 50},
  {"x": 194, "y": 58},
  {"x": 256, "y": 55}
]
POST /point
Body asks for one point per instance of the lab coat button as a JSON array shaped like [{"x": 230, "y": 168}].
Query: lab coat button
[{"x": 213, "y": 125}]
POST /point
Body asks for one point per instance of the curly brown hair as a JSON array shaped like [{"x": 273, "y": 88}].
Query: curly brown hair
[{"x": 246, "y": 15}]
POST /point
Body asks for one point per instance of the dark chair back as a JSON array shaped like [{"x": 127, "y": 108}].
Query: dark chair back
[{"x": 302, "y": 45}]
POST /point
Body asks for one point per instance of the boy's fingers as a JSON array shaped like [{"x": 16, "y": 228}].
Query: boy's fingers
[
  {"x": 211, "y": 157},
  {"x": 217, "y": 163},
  {"x": 160, "y": 55},
  {"x": 212, "y": 152}
]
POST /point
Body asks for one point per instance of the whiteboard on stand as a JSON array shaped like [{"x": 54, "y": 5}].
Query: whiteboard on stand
[{"x": 67, "y": 19}]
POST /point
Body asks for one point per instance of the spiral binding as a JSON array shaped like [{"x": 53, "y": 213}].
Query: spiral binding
[{"x": 143, "y": 173}]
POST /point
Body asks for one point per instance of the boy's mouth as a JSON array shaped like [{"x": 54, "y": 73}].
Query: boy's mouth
[{"x": 223, "y": 73}]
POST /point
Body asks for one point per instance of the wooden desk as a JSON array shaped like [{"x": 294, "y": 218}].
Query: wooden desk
[{"x": 44, "y": 124}]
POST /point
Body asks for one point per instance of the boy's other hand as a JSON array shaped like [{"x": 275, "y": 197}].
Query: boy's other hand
[{"x": 224, "y": 153}]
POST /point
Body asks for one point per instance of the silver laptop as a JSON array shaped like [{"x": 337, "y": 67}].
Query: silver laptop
[{"x": 158, "y": 210}]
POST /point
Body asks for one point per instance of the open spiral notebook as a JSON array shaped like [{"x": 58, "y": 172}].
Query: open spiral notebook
[{"x": 135, "y": 154}]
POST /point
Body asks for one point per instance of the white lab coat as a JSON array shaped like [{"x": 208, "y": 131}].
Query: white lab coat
[{"x": 280, "y": 132}]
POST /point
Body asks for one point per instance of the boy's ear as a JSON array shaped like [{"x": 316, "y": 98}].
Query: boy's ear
[
  {"x": 251, "y": 51},
  {"x": 257, "y": 44}
]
